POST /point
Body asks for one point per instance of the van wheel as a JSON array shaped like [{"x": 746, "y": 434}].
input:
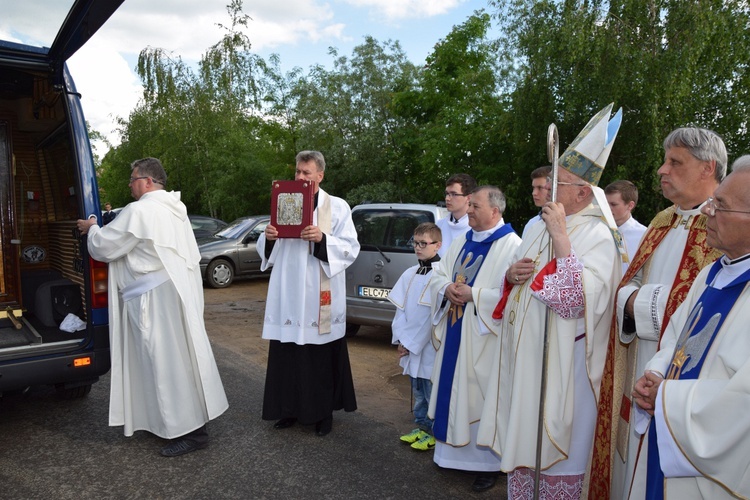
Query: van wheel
[
  {"x": 72, "y": 392},
  {"x": 219, "y": 274},
  {"x": 351, "y": 329}
]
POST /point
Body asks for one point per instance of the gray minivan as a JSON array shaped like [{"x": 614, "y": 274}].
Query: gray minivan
[
  {"x": 47, "y": 182},
  {"x": 385, "y": 232}
]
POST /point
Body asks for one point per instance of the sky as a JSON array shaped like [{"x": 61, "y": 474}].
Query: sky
[{"x": 299, "y": 31}]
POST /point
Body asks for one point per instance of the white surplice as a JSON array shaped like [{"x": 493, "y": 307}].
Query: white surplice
[
  {"x": 412, "y": 325},
  {"x": 632, "y": 231},
  {"x": 478, "y": 336},
  {"x": 451, "y": 231},
  {"x": 293, "y": 302},
  {"x": 164, "y": 377},
  {"x": 537, "y": 218}
]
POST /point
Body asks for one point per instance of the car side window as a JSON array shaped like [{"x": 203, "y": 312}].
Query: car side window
[
  {"x": 257, "y": 231},
  {"x": 402, "y": 232}
]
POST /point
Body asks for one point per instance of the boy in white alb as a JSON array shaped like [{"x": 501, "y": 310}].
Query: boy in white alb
[
  {"x": 412, "y": 330},
  {"x": 456, "y": 223}
]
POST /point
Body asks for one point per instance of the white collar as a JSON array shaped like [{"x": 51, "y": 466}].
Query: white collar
[
  {"x": 730, "y": 271},
  {"x": 483, "y": 235}
]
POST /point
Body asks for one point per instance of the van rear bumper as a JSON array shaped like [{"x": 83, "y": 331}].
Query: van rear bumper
[
  {"x": 58, "y": 368},
  {"x": 361, "y": 311}
]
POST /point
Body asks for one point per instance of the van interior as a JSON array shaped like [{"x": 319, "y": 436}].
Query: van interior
[{"x": 41, "y": 278}]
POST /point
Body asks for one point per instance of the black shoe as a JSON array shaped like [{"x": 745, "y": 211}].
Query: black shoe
[
  {"x": 323, "y": 427},
  {"x": 484, "y": 481},
  {"x": 285, "y": 422},
  {"x": 181, "y": 446}
]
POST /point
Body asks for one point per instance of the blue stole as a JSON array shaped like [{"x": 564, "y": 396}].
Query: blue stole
[
  {"x": 465, "y": 270},
  {"x": 697, "y": 336}
]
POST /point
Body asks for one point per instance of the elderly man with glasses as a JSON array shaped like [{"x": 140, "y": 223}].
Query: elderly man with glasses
[
  {"x": 561, "y": 284},
  {"x": 671, "y": 254},
  {"x": 691, "y": 401},
  {"x": 164, "y": 377}
]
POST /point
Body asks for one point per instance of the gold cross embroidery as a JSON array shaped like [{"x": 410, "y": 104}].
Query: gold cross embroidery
[
  {"x": 677, "y": 363},
  {"x": 456, "y": 312}
]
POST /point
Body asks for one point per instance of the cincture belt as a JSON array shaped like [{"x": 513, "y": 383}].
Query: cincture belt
[{"x": 144, "y": 284}]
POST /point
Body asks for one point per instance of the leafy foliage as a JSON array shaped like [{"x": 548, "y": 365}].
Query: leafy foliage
[{"x": 456, "y": 113}]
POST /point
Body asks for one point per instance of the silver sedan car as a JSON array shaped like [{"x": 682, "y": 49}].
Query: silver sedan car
[{"x": 231, "y": 252}]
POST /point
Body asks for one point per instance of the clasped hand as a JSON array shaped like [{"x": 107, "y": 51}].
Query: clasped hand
[
  {"x": 458, "y": 293},
  {"x": 645, "y": 389}
]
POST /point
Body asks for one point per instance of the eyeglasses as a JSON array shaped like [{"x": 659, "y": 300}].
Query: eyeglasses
[
  {"x": 422, "y": 244},
  {"x": 133, "y": 179},
  {"x": 561, "y": 183},
  {"x": 453, "y": 195},
  {"x": 712, "y": 208}
]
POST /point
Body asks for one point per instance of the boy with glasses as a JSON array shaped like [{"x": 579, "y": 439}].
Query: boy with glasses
[{"x": 412, "y": 330}]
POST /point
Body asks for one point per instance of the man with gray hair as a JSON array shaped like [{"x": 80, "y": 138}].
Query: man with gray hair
[
  {"x": 692, "y": 398},
  {"x": 308, "y": 375},
  {"x": 464, "y": 289},
  {"x": 164, "y": 377},
  {"x": 671, "y": 254}
]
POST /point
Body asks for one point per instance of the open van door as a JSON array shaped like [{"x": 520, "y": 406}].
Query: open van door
[{"x": 47, "y": 182}]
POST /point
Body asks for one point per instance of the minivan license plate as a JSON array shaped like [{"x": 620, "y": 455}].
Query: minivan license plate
[{"x": 374, "y": 293}]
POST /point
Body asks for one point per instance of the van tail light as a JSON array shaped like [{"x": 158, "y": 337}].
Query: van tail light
[{"x": 99, "y": 284}]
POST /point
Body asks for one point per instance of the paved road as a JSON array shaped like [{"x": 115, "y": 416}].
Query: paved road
[{"x": 64, "y": 449}]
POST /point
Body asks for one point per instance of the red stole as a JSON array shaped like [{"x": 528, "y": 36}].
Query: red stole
[{"x": 614, "y": 401}]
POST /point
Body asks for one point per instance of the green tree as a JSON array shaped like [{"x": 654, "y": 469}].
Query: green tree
[
  {"x": 347, "y": 114},
  {"x": 206, "y": 127},
  {"x": 668, "y": 63},
  {"x": 457, "y": 118}
]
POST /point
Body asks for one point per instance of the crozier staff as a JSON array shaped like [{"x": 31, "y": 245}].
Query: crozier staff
[{"x": 578, "y": 284}]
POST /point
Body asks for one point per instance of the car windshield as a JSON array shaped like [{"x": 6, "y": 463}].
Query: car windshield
[{"x": 236, "y": 228}]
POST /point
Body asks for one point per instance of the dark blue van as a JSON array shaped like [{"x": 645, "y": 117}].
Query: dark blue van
[{"x": 53, "y": 297}]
